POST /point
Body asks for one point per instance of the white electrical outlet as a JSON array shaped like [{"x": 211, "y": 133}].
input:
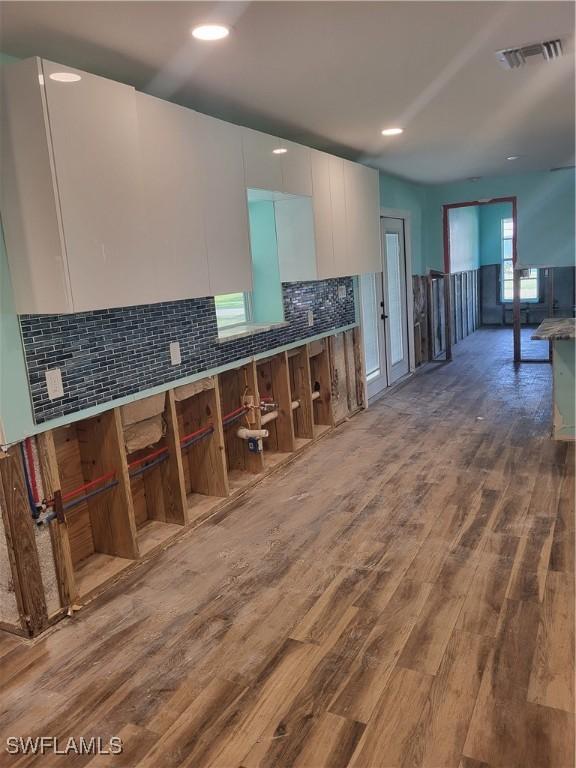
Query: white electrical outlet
[
  {"x": 54, "y": 383},
  {"x": 175, "y": 356},
  {"x": 310, "y": 317},
  {"x": 341, "y": 291}
]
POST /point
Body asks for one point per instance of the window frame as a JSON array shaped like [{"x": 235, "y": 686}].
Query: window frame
[
  {"x": 504, "y": 223},
  {"x": 248, "y": 312}
]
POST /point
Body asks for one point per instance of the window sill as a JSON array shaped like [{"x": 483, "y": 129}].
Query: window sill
[{"x": 249, "y": 329}]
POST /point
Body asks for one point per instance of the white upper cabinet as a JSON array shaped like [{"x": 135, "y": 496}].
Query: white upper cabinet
[
  {"x": 295, "y": 237},
  {"x": 225, "y": 206},
  {"x": 263, "y": 166},
  {"x": 362, "y": 218},
  {"x": 29, "y": 204},
  {"x": 344, "y": 259},
  {"x": 296, "y": 169},
  {"x": 94, "y": 132},
  {"x": 72, "y": 199},
  {"x": 322, "y": 209},
  {"x": 173, "y": 197}
]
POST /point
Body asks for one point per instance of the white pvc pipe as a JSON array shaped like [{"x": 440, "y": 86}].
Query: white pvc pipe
[
  {"x": 315, "y": 395},
  {"x": 295, "y": 404},
  {"x": 244, "y": 434},
  {"x": 270, "y": 416}
]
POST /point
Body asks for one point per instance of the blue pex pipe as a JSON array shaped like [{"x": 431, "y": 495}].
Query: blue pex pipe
[
  {"x": 197, "y": 439},
  {"x": 233, "y": 419},
  {"x": 87, "y": 496},
  {"x": 145, "y": 467}
]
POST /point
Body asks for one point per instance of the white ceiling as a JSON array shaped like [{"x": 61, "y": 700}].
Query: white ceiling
[{"x": 332, "y": 74}]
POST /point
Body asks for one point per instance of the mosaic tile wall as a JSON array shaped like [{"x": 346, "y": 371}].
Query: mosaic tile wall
[{"x": 112, "y": 353}]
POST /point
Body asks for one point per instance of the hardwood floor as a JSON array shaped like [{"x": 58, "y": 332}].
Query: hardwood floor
[{"x": 402, "y": 595}]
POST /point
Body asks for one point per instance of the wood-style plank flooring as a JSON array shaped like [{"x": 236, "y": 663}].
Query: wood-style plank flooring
[{"x": 401, "y": 595}]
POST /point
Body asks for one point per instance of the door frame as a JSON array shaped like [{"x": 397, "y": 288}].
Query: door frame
[{"x": 513, "y": 200}]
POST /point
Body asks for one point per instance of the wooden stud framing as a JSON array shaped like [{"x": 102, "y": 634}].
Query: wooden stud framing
[
  {"x": 338, "y": 377},
  {"x": 320, "y": 382},
  {"x": 299, "y": 368},
  {"x": 204, "y": 463},
  {"x": 274, "y": 382},
  {"x": 233, "y": 385},
  {"x": 59, "y": 534},
  {"x": 21, "y": 542},
  {"x": 112, "y": 513}
]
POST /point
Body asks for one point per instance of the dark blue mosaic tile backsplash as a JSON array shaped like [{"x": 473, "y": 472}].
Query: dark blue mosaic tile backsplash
[{"x": 112, "y": 353}]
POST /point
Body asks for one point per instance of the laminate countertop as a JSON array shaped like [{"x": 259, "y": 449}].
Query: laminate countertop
[{"x": 556, "y": 329}]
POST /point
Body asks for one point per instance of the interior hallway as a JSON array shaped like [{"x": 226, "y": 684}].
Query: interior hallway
[{"x": 411, "y": 604}]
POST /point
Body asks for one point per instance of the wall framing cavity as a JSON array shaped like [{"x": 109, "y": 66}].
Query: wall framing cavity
[{"x": 82, "y": 504}]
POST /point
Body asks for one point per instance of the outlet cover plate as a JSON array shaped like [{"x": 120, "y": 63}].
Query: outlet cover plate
[
  {"x": 341, "y": 291},
  {"x": 175, "y": 356},
  {"x": 310, "y": 317},
  {"x": 54, "y": 383}
]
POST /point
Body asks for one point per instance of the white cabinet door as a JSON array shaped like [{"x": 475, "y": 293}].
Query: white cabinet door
[
  {"x": 173, "y": 205},
  {"x": 322, "y": 207},
  {"x": 362, "y": 218},
  {"x": 94, "y": 132},
  {"x": 263, "y": 167},
  {"x": 342, "y": 256},
  {"x": 29, "y": 202},
  {"x": 225, "y": 206},
  {"x": 296, "y": 169}
]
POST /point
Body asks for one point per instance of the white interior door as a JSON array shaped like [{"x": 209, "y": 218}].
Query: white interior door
[
  {"x": 395, "y": 316},
  {"x": 373, "y": 333}
]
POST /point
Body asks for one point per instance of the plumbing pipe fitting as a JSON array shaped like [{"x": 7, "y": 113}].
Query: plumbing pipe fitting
[
  {"x": 295, "y": 404},
  {"x": 245, "y": 434},
  {"x": 315, "y": 395},
  {"x": 270, "y": 416}
]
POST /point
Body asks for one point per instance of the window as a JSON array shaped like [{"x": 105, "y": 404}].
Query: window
[
  {"x": 529, "y": 279},
  {"x": 232, "y": 309}
]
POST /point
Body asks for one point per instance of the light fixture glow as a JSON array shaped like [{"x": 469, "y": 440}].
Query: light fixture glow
[
  {"x": 513, "y": 157},
  {"x": 280, "y": 151},
  {"x": 392, "y": 131},
  {"x": 210, "y": 32},
  {"x": 65, "y": 77}
]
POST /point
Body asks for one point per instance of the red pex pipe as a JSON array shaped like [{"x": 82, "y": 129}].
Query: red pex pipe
[
  {"x": 197, "y": 432},
  {"x": 242, "y": 409},
  {"x": 150, "y": 456},
  {"x": 91, "y": 484}
]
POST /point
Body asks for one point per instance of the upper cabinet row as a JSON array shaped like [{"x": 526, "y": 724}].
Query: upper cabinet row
[{"x": 111, "y": 197}]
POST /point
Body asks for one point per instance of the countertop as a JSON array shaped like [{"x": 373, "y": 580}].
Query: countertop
[{"x": 556, "y": 329}]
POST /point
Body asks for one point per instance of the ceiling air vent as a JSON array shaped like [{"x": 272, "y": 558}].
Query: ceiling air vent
[{"x": 512, "y": 58}]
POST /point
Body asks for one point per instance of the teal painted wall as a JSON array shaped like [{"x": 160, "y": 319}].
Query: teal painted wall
[
  {"x": 267, "y": 304},
  {"x": 464, "y": 238},
  {"x": 407, "y": 196},
  {"x": 546, "y": 203},
  {"x": 491, "y": 231}
]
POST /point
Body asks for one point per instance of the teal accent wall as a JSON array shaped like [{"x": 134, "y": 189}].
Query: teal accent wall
[
  {"x": 546, "y": 203},
  {"x": 464, "y": 238},
  {"x": 564, "y": 387},
  {"x": 267, "y": 306},
  {"x": 408, "y": 196},
  {"x": 491, "y": 231},
  {"x": 15, "y": 406}
]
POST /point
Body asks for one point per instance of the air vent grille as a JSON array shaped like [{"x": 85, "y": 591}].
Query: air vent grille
[{"x": 512, "y": 58}]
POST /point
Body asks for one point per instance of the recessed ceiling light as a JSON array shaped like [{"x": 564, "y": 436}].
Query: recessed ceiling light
[
  {"x": 513, "y": 157},
  {"x": 65, "y": 77},
  {"x": 280, "y": 151},
  {"x": 210, "y": 32},
  {"x": 392, "y": 131}
]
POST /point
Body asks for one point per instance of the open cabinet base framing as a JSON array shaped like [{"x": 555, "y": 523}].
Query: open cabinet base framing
[{"x": 124, "y": 501}]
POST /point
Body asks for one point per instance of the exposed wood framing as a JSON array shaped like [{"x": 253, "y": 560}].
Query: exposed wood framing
[
  {"x": 105, "y": 533},
  {"x": 18, "y": 524},
  {"x": 59, "y": 534}
]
